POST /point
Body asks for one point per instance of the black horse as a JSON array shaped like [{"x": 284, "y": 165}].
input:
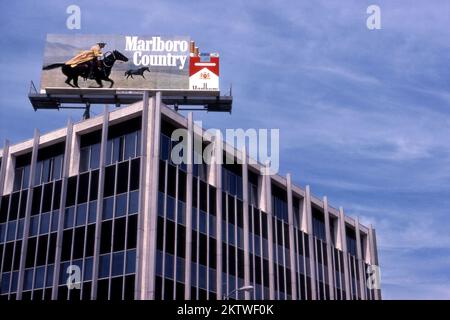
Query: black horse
[
  {"x": 100, "y": 72},
  {"x": 136, "y": 72}
]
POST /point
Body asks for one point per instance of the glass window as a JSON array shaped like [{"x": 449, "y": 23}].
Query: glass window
[
  {"x": 55, "y": 220},
  {"x": 18, "y": 179},
  {"x": 34, "y": 225},
  {"x": 12, "y": 230},
  {"x": 39, "y": 277},
  {"x": 159, "y": 263},
  {"x": 14, "y": 281},
  {"x": 57, "y": 167},
  {"x": 108, "y": 204},
  {"x": 122, "y": 177},
  {"x": 117, "y": 266},
  {"x": 194, "y": 274},
  {"x": 63, "y": 272},
  {"x": 92, "y": 212},
  {"x": 194, "y": 219},
  {"x": 180, "y": 269},
  {"x": 94, "y": 185},
  {"x": 26, "y": 177},
  {"x": 116, "y": 150},
  {"x": 212, "y": 226},
  {"x": 46, "y": 167},
  {"x": 88, "y": 264},
  {"x": 2, "y": 232},
  {"x": 105, "y": 239},
  {"x": 232, "y": 183},
  {"x": 169, "y": 266},
  {"x": 49, "y": 281},
  {"x": 119, "y": 234},
  {"x": 109, "y": 147},
  {"x": 121, "y": 147},
  {"x": 239, "y": 187},
  {"x": 202, "y": 221},
  {"x": 104, "y": 266},
  {"x": 5, "y": 282},
  {"x": 121, "y": 205},
  {"x": 37, "y": 174},
  {"x": 28, "y": 282},
  {"x": 161, "y": 204},
  {"x": 4, "y": 202},
  {"x": 253, "y": 195},
  {"x": 351, "y": 245},
  {"x": 68, "y": 217},
  {"x": 130, "y": 145},
  {"x": 170, "y": 212},
  {"x": 83, "y": 188},
  {"x": 202, "y": 276},
  {"x": 134, "y": 174},
  {"x": 84, "y": 159},
  {"x": 20, "y": 229},
  {"x": 45, "y": 222},
  {"x": 95, "y": 156},
  {"x": 318, "y": 227},
  {"x": 81, "y": 214},
  {"x": 134, "y": 202},
  {"x": 138, "y": 143},
  {"x": 165, "y": 147},
  {"x": 212, "y": 280},
  {"x": 181, "y": 213},
  {"x": 231, "y": 234},
  {"x": 109, "y": 183},
  {"x": 131, "y": 261}
]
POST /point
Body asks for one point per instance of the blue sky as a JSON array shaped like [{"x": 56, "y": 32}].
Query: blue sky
[{"x": 364, "y": 116}]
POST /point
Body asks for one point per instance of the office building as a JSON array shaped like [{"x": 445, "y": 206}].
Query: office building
[{"x": 102, "y": 196}]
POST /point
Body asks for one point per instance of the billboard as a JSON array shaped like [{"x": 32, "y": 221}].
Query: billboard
[{"x": 128, "y": 62}]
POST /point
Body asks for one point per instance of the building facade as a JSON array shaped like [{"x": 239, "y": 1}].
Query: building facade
[{"x": 101, "y": 206}]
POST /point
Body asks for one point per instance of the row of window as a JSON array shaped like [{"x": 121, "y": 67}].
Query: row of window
[
  {"x": 120, "y": 205},
  {"x": 116, "y": 288},
  {"x": 169, "y": 289},
  {"x": 50, "y": 169},
  {"x": 279, "y": 208},
  {"x": 117, "y": 263},
  {"x": 124, "y": 147},
  {"x": 231, "y": 183},
  {"x": 318, "y": 225},
  {"x": 200, "y": 168},
  {"x": 11, "y": 231}
]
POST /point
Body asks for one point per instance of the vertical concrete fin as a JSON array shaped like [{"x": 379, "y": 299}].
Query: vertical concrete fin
[
  {"x": 101, "y": 184},
  {"x": 190, "y": 146},
  {"x": 359, "y": 260},
  {"x": 26, "y": 228},
  {"x": 291, "y": 236},
  {"x": 65, "y": 174},
  {"x": 141, "y": 257},
  {"x": 328, "y": 236},
  {"x": 153, "y": 195},
  {"x": 245, "y": 211},
  {"x": 267, "y": 201},
  {"x": 374, "y": 256},
  {"x": 343, "y": 236},
  {"x": 218, "y": 169},
  {"x": 312, "y": 255}
]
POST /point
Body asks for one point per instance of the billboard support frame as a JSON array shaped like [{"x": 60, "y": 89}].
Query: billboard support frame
[{"x": 65, "y": 98}]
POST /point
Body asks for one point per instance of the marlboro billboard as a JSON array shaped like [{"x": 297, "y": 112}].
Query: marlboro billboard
[{"x": 128, "y": 62}]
